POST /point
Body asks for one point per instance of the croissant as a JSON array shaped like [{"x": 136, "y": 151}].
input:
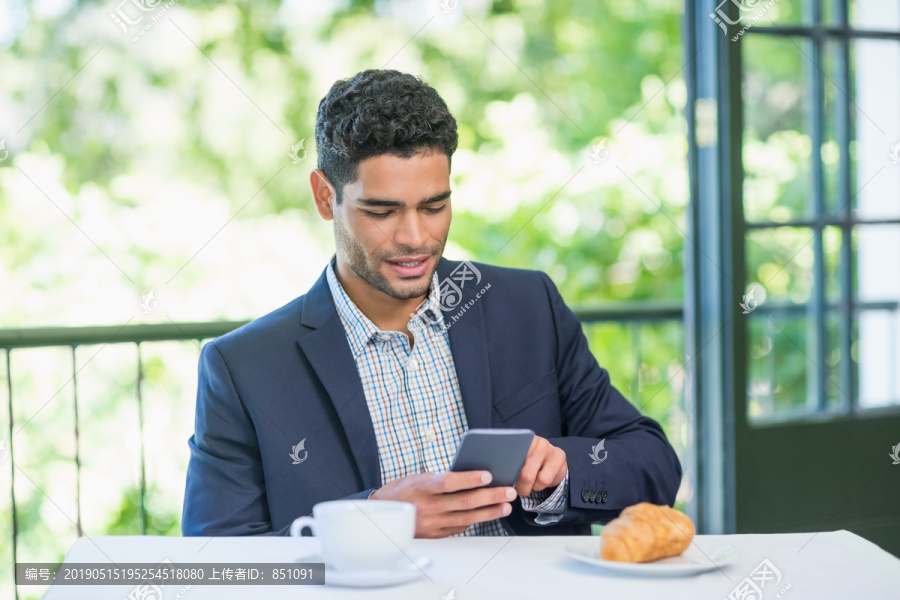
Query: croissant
[{"x": 645, "y": 532}]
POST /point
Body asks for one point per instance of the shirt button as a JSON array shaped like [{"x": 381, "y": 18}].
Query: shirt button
[
  {"x": 412, "y": 365},
  {"x": 430, "y": 435}
]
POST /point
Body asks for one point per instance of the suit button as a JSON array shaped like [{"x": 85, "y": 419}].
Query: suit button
[
  {"x": 584, "y": 495},
  {"x": 604, "y": 496},
  {"x": 592, "y": 495}
]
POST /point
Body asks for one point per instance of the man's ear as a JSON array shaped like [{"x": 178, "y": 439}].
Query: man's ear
[{"x": 323, "y": 194}]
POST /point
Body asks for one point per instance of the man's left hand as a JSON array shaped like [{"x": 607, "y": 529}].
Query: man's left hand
[{"x": 544, "y": 468}]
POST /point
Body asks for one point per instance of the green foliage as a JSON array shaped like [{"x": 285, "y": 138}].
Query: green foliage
[
  {"x": 151, "y": 146},
  {"x": 127, "y": 521}
]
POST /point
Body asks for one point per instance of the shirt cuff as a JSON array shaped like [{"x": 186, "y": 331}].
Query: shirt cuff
[{"x": 549, "y": 506}]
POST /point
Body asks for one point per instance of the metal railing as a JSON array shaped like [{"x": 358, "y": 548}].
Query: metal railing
[{"x": 633, "y": 315}]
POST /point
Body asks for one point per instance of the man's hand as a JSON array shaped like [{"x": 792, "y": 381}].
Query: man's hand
[
  {"x": 544, "y": 468},
  {"x": 447, "y": 503}
]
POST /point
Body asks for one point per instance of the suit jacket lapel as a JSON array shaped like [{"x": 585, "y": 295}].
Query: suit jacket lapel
[
  {"x": 468, "y": 344},
  {"x": 328, "y": 352},
  {"x": 325, "y": 346}
]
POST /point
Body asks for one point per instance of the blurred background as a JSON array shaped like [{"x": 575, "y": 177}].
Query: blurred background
[{"x": 690, "y": 195}]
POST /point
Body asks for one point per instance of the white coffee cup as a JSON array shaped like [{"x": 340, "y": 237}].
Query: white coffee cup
[{"x": 361, "y": 535}]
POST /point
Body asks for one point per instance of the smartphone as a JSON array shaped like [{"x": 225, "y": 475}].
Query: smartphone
[{"x": 500, "y": 451}]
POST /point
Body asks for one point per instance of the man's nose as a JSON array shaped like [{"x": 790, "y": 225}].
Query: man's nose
[{"x": 411, "y": 230}]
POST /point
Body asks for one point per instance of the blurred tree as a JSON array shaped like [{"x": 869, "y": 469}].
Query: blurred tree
[{"x": 572, "y": 160}]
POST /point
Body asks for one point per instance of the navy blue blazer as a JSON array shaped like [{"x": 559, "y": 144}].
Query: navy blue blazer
[{"x": 521, "y": 359}]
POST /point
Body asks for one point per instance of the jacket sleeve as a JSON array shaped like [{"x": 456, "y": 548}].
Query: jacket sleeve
[
  {"x": 637, "y": 463},
  {"x": 225, "y": 492}
]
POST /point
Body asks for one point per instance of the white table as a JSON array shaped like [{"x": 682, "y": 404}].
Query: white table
[{"x": 836, "y": 564}]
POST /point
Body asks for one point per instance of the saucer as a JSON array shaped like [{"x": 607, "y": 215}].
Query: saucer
[
  {"x": 404, "y": 572},
  {"x": 690, "y": 562}
]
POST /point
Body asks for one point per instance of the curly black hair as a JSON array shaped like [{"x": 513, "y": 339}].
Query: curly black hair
[{"x": 375, "y": 112}]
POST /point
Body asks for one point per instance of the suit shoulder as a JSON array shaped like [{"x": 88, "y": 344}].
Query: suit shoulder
[
  {"x": 513, "y": 280},
  {"x": 507, "y": 274},
  {"x": 281, "y": 322}
]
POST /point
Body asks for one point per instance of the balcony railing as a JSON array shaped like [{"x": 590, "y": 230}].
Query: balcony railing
[{"x": 630, "y": 317}]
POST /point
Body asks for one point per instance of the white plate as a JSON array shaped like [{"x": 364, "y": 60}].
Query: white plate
[
  {"x": 691, "y": 562},
  {"x": 407, "y": 571}
]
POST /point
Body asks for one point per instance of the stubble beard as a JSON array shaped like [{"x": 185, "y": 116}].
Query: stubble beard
[{"x": 357, "y": 260}]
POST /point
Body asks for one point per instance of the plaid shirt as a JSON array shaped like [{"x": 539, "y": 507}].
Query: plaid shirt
[{"x": 414, "y": 400}]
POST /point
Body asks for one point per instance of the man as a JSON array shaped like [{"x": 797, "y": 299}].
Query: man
[{"x": 363, "y": 387}]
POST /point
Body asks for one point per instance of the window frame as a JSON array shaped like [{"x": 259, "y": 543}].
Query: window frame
[{"x": 715, "y": 272}]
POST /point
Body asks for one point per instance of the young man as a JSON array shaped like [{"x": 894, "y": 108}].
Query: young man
[{"x": 363, "y": 387}]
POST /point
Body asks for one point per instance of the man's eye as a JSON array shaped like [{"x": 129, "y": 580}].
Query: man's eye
[
  {"x": 436, "y": 210},
  {"x": 376, "y": 215}
]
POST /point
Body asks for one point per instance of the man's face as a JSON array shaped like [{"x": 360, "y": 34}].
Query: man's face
[{"x": 392, "y": 223}]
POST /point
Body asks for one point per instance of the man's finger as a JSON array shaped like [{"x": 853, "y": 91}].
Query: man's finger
[
  {"x": 552, "y": 472},
  {"x": 470, "y": 517},
  {"x": 473, "y": 499},
  {"x": 545, "y": 476},
  {"x": 529, "y": 472},
  {"x": 454, "y": 481}
]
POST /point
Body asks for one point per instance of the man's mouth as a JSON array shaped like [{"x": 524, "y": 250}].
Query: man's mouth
[{"x": 410, "y": 266}]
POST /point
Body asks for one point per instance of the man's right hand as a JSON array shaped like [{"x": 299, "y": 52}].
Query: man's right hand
[{"x": 448, "y": 502}]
